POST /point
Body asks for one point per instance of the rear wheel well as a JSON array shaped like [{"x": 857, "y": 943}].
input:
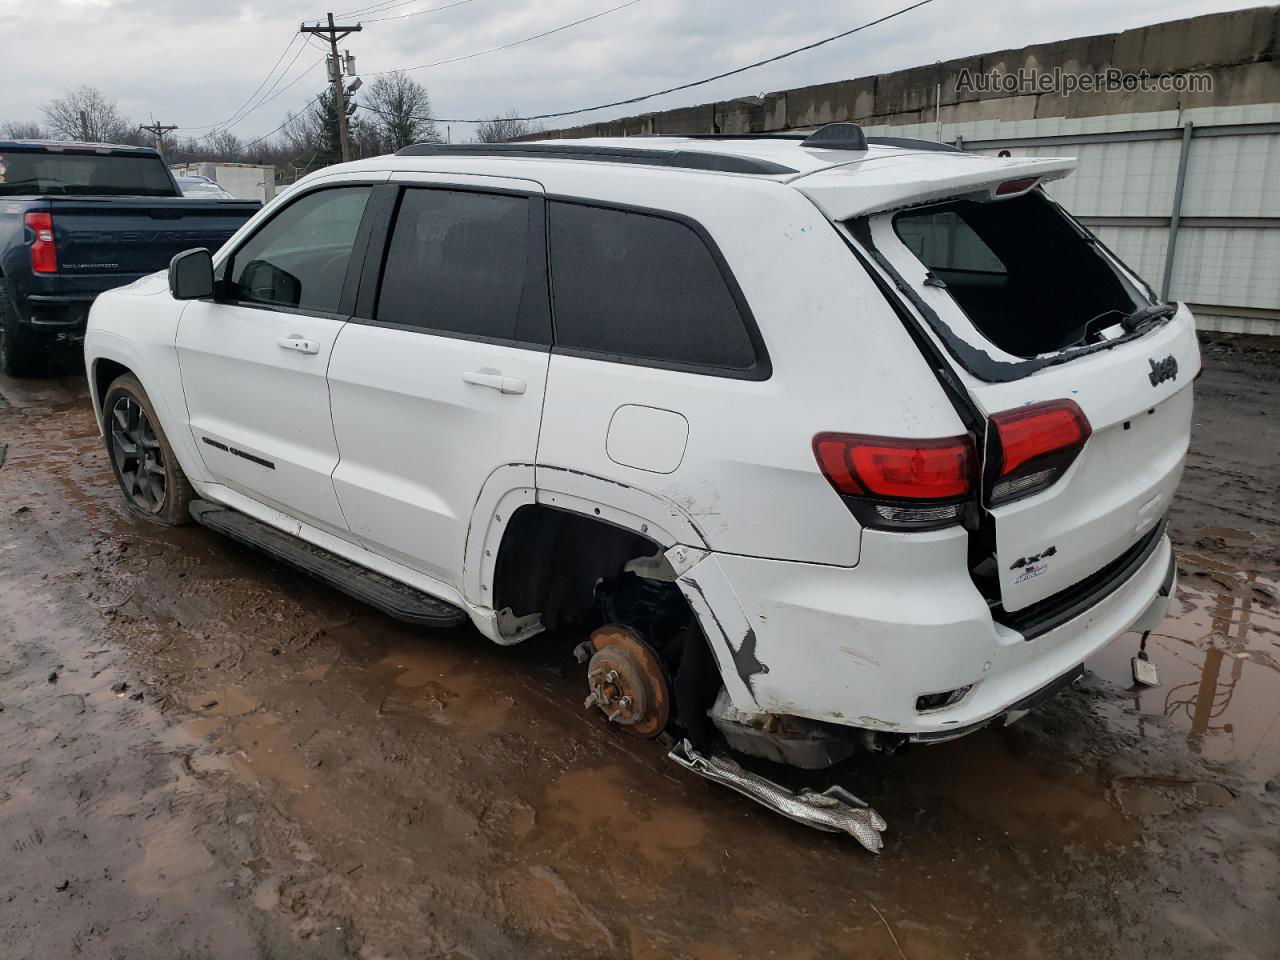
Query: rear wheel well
[
  {"x": 569, "y": 572},
  {"x": 551, "y": 561}
]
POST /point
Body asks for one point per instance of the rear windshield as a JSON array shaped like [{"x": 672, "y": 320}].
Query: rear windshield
[
  {"x": 1027, "y": 279},
  {"x": 73, "y": 174}
]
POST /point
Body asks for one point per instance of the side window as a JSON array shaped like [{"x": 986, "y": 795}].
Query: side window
[
  {"x": 457, "y": 263},
  {"x": 944, "y": 241},
  {"x": 299, "y": 259},
  {"x": 642, "y": 287}
]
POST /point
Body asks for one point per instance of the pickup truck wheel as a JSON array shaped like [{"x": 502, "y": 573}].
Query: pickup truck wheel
[
  {"x": 154, "y": 486},
  {"x": 22, "y": 350}
]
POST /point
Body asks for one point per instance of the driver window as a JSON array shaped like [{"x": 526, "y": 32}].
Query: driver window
[{"x": 299, "y": 259}]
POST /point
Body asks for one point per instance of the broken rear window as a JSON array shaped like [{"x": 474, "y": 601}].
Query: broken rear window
[{"x": 1022, "y": 273}]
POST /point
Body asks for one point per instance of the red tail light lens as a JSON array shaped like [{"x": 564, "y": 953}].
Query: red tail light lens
[
  {"x": 44, "y": 252},
  {"x": 1010, "y": 187},
  {"x": 1037, "y": 445},
  {"x": 897, "y": 482}
]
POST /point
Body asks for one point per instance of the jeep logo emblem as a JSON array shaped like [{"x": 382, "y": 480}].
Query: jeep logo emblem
[{"x": 1162, "y": 370}]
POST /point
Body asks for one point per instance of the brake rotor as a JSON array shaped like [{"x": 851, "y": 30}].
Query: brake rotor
[{"x": 628, "y": 682}]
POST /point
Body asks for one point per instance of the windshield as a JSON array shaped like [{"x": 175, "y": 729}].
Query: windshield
[
  {"x": 202, "y": 188},
  {"x": 25, "y": 173},
  {"x": 1026, "y": 278}
]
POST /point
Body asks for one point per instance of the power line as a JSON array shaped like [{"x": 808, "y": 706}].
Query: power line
[
  {"x": 683, "y": 86},
  {"x": 288, "y": 121},
  {"x": 209, "y": 126},
  {"x": 375, "y": 8},
  {"x": 515, "y": 43},
  {"x": 418, "y": 13},
  {"x": 270, "y": 94},
  {"x": 283, "y": 90}
]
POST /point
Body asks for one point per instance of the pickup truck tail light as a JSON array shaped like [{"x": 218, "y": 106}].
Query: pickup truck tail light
[
  {"x": 896, "y": 483},
  {"x": 1035, "y": 446},
  {"x": 44, "y": 252}
]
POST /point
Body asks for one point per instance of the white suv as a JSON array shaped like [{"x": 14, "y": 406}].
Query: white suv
[{"x": 825, "y": 443}]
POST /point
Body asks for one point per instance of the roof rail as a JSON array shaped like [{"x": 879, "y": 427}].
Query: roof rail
[
  {"x": 687, "y": 159},
  {"x": 732, "y": 136},
  {"x": 837, "y": 136},
  {"x": 911, "y": 143}
]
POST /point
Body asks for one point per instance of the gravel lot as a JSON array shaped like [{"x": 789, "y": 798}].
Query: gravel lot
[{"x": 206, "y": 755}]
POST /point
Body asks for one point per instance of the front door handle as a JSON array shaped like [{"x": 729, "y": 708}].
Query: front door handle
[
  {"x": 494, "y": 381},
  {"x": 295, "y": 342}
]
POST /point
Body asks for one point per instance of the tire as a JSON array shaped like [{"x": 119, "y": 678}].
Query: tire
[
  {"x": 152, "y": 481},
  {"x": 22, "y": 350}
]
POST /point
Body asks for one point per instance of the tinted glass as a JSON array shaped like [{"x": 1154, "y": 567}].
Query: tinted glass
[
  {"x": 642, "y": 287},
  {"x": 299, "y": 259},
  {"x": 944, "y": 241},
  {"x": 457, "y": 263},
  {"x": 66, "y": 174}
]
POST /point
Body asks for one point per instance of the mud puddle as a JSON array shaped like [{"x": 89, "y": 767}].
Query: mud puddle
[{"x": 1218, "y": 653}]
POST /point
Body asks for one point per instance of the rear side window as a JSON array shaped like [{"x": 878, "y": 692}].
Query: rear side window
[
  {"x": 644, "y": 288},
  {"x": 457, "y": 263}
]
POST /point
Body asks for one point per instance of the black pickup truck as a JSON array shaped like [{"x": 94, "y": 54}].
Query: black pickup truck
[{"x": 80, "y": 218}]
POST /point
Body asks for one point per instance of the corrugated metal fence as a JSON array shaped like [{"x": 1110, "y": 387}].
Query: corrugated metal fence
[{"x": 1190, "y": 199}]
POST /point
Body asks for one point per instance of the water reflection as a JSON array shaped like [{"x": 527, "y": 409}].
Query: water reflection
[{"x": 1218, "y": 667}]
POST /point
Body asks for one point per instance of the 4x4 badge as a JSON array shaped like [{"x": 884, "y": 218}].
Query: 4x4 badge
[
  {"x": 1162, "y": 370},
  {"x": 1044, "y": 554}
]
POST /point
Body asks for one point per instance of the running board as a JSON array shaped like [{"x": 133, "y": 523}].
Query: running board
[
  {"x": 835, "y": 810},
  {"x": 392, "y": 597}
]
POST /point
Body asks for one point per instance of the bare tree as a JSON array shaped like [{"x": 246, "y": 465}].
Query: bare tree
[
  {"x": 22, "y": 130},
  {"x": 85, "y": 114},
  {"x": 504, "y": 128},
  {"x": 399, "y": 108},
  {"x": 223, "y": 145}
]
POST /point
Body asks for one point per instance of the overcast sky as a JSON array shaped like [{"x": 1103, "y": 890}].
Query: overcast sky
[{"x": 194, "y": 63}]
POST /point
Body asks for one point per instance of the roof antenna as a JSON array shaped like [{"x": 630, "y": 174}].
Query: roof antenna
[{"x": 836, "y": 136}]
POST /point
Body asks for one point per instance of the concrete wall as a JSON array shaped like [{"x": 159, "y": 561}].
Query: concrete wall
[
  {"x": 1226, "y": 260},
  {"x": 1240, "y": 50}
]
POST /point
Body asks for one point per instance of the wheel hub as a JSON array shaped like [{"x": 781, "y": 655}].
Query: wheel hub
[{"x": 627, "y": 681}]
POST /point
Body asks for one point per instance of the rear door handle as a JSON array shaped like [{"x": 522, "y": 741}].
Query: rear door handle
[
  {"x": 301, "y": 344},
  {"x": 494, "y": 381}
]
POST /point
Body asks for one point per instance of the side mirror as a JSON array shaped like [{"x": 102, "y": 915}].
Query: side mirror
[{"x": 191, "y": 275}]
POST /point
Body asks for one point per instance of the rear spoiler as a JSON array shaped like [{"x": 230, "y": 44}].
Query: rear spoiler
[{"x": 880, "y": 184}]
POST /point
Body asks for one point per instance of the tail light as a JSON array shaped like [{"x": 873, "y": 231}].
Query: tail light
[
  {"x": 1037, "y": 444},
  {"x": 897, "y": 483},
  {"x": 44, "y": 252},
  {"x": 1011, "y": 187}
]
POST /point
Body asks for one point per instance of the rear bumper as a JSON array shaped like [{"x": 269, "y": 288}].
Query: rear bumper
[
  {"x": 59, "y": 313},
  {"x": 858, "y": 646},
  {"x": 60, "y": 303}
]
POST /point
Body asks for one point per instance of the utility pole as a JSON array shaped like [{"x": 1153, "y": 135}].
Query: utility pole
[
  {"x": 158, "y": 130},
  {"x": 333, "y": 34}
]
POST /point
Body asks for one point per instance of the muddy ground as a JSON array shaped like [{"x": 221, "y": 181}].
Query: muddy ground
[{"x": 206, "y": 755}]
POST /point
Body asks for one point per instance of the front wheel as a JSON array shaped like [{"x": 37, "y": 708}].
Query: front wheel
[{"x": 154, "y": 486}]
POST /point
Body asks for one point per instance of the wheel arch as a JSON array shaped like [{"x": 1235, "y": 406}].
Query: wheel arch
[
  {"x": 614, "y": 517},
  {"x": 109, "y": 356}
]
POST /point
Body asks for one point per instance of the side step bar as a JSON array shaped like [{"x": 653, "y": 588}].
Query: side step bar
[{"x": 392, "y": 597}]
